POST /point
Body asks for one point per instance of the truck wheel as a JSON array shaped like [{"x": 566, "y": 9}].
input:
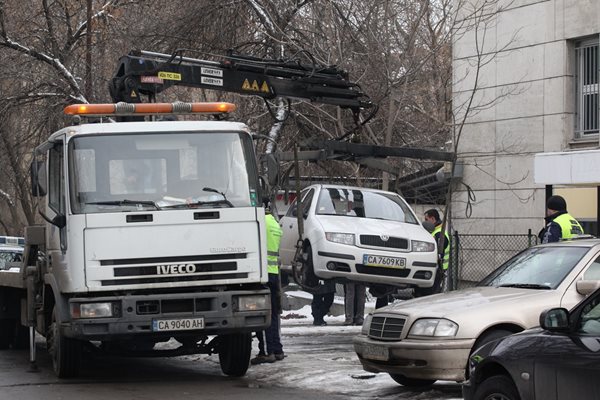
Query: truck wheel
[
  {"x": 234, "y": 353},
  {"x": 65, "y": 352},
  {"x": 7, "y": 332}
]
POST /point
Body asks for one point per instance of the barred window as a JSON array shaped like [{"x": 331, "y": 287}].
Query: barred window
[{"x": 588, "y": 107}]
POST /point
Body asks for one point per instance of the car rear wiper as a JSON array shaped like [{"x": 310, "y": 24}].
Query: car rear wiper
[
  {"x": 525, "y": 285},
  {"x": 125, "y": 202}
]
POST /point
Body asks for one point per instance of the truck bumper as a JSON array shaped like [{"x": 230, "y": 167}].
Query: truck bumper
[{"x": 134, "y": 315}]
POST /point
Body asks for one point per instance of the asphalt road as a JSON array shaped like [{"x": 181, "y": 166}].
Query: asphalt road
[{"x": 319, "y": 363}]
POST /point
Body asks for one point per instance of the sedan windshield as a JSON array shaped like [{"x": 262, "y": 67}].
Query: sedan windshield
[
  {"x": 364, "y": 204},
  {"x": 536, "y": 268},
  {"x": 161, "y": 171}
]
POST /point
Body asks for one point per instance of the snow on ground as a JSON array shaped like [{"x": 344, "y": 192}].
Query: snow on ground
[{"x": 322, "y": 358}]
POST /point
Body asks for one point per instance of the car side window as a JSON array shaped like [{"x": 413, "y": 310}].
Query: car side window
[
  {"x": 590, "y": 318},
  {"x": 593, "y": 272},
  {"x": 306, "y": 202}
]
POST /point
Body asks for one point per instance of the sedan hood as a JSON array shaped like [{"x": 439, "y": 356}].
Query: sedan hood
[
  {"x": 371, "y": 226},
  {"x": 476, "y": 308}
]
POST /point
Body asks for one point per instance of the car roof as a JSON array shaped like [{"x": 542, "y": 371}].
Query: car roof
[
  {"x": 587, "y": 242},
  {"x": 332, "y": 186}
]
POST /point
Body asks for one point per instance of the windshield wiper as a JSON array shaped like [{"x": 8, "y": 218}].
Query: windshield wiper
[
  {"x": 525, "y": 285},
  {"x": 125, "y": 202},
  {"x": 202, "y": 203}
]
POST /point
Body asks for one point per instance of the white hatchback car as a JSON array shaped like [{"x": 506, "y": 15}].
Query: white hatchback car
[{"x": 363, "y": 235}]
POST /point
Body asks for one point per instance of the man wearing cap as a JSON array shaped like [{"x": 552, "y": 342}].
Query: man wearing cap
[{"x": 560, "y": 225}]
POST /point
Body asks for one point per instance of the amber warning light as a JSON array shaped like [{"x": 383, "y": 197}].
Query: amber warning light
[{"x": 148, "y": 108}]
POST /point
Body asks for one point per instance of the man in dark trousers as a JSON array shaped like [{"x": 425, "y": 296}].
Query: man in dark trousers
[
  {"x": 272, "y": 337},
  {"x": 322, "y": 301},
  {"x": 560, "y": 224}
]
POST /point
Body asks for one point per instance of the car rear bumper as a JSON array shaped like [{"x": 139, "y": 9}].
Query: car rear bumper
[{"x": 419, "y": 359}]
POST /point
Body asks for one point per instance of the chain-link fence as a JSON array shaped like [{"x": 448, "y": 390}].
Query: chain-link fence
[{"x": 473, "y": 257}]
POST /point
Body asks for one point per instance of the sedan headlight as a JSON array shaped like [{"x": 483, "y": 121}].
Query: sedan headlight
[
  {"x": 420, "y": 246},
  {"x": 343, "y": 238},
  {"x": 366, "y": 324},
  {"x": 434, "y": 327}
]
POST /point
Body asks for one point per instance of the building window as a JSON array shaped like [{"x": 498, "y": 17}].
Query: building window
[{"x": 588, "y": 108}]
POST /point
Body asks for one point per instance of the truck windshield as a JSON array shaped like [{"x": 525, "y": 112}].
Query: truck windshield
[{"x": 162, "y": 171}]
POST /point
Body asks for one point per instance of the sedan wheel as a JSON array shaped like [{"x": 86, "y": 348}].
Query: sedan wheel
[{"x": 499, "y": 387}]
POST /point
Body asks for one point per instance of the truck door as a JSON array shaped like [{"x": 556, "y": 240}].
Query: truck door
[{"x": 56, "y": 194}]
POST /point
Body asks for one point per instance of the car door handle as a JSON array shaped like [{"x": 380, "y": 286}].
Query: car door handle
[{"x": 291, "y": 226}]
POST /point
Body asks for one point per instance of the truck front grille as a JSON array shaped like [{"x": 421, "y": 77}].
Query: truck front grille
[
  {"x": 386, "y": 328},
  {"x": 199, "y": 268}
]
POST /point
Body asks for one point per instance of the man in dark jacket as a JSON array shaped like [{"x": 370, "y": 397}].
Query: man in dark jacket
[{"x": 560, "y": 225}]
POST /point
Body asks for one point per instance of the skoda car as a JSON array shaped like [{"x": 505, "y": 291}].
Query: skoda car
[
  {"x": 363, "y": 235},
  {"x": 560, "y": 360},
  {"x": 11, "y": 251},
  {"x": 429, "y": 338}
]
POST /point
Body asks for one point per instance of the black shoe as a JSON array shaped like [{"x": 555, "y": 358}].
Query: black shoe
[
  {"x": 279, "y": 356},
  {"x": 358, "y": 322},
  {"x": 319, "y": 322},
  {"x": 262, "y": 358}
]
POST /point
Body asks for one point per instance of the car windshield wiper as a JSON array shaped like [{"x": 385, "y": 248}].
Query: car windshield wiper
[
  {"x": 125, "y": 202},
  {"x": 525, "y": 285},
  {"x": 211, "y": 202}
]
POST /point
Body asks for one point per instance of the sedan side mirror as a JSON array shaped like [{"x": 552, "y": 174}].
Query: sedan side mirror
[
  {"x": 587, "y": 287},
  {"x": 555, "y": 320}
]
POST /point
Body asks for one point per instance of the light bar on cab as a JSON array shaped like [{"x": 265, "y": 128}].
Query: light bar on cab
[{"x": 148, "y": 108}]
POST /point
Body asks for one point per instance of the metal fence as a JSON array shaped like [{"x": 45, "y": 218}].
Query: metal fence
[{"x": 475, "y": 256}]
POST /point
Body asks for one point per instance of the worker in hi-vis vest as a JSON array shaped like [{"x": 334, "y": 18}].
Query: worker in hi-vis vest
[
  {"x": 560, "y": 224},
  {"x": 273, "y": 339},
  {"x": 433, "y": 216}
]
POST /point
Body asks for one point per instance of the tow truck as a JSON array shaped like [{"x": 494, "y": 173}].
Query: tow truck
[{"x": 154, "y": 229}]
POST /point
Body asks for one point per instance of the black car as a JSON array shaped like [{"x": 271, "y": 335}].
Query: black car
[{"x": 559, "y": 361}]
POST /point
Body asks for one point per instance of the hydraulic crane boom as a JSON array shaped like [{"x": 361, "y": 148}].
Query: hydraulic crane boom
[{"x": 149, "y": 73}]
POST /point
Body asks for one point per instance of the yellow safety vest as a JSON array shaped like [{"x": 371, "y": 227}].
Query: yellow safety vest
[
  {"x": 446, "y": 256},
  {"x": 274, "y": 233},
  {"x": 569, "y": 226}
]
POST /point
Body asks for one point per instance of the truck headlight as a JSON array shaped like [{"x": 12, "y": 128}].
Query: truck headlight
[
  {"x": 92, "y": 310},
  {"x": 343, "y": 238},
  {"x": 252, "y": 303},
  {"x": 366, "y": 325},
  {"x": 420, "y": 246},
  {"x": 434, "y": 327}
]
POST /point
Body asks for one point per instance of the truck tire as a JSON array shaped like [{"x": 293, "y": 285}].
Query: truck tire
[
  {"x": 65, "y": 352},
  {"x": 7, "y": 332},
  {"x": 234, "y": 353}
]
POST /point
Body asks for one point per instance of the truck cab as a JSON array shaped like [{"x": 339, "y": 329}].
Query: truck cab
[{"x": 154, "y": 231}]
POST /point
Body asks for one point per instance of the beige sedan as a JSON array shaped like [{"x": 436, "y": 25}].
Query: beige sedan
[{"x": 430, "y": 338}]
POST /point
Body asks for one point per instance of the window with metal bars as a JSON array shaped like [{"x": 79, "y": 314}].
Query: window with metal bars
[{"x": 588, "y": 87}]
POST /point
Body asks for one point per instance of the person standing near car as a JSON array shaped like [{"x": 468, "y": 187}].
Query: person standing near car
[
  {"x": 273, "y": 339},
  {"x": 322, "y": 301},
  {"x": 354, "y": 303},
  {"x": 433, "y": 216},
  {"x": 560, "y": 224}
]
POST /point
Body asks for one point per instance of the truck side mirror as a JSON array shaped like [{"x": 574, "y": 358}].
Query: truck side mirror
[{"x": 37, "y": 174}]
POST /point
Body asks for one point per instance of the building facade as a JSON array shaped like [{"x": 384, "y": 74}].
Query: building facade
[{"x": 535, "y": 67}]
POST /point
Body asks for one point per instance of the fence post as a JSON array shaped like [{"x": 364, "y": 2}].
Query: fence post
[
  {"x": 529, "y": 235},
  {"x": 454, "y": 247}
]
